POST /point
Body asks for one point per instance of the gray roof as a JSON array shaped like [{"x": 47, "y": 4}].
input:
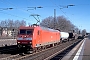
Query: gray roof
[{"x": 48, "y": 29}]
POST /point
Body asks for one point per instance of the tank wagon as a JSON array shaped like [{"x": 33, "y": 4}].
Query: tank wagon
[
  {"x": 33, "y": 38},
  {"x": 64, "y": 36}
]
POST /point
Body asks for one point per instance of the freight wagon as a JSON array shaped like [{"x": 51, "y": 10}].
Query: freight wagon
[
  {"x": 73, "y": 36},
  {"x": 64, "y": 36}
]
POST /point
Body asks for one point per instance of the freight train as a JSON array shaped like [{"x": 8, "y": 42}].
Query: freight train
[{"x": 34, "y": 38}]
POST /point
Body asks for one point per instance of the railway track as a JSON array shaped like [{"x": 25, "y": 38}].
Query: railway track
[
  {"x": 60, "y": 55},
  {"x": 45, "y": 53},
  {"x": 8, "y": 48},
  {"x": 8, "y": 52},
  {"x": 10, "y": 57},
  {"x": 41, "y": 55}
]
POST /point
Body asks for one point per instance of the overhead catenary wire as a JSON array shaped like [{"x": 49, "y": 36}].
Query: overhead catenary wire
[
  {"x": 60, "y": 9},
  {"x": 13, "y": 15},
  {"x": 21, "y": 9},
  {"x": 14, "y": 8}
]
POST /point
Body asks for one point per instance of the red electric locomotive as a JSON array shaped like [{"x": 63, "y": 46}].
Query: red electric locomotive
[{"x": 33, "y": 38}]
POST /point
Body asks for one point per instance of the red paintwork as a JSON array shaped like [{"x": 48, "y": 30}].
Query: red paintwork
[{"x": 42, "y": 37}]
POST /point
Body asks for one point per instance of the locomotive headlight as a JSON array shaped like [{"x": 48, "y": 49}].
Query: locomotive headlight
[
  {"x": 25, "y": 36},
  {"x": 18, "y": 42},
  {"x": 30, "y": 42}
]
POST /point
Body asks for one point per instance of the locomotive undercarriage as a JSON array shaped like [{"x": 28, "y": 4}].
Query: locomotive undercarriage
[
  {"x": 25, "y": 48},
  {"x": 29, "y": 49}
]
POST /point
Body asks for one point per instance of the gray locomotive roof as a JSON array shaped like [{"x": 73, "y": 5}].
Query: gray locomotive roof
[{"x": 48, "y": 29}]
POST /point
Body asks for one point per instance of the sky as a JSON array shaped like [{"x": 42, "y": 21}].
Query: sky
[{"x": 78, "y": 14}]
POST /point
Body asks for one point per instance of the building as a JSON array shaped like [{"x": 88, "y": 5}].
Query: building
[{"x": 8, "y": 32}]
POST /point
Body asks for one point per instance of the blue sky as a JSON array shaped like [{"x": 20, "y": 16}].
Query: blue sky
[{"x": 79, "y": 14}]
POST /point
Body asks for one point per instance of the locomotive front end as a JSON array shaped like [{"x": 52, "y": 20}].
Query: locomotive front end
[{"x": 24, "y": 38}]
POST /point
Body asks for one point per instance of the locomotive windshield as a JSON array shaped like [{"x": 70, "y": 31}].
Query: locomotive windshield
[{"x": 26, "y": 32}]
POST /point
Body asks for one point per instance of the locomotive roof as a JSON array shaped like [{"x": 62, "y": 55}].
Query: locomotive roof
[
  {"x": 48, "y": 29},
  {"x": 26, "y": 27},
  {"x": 43, "y": 28}
]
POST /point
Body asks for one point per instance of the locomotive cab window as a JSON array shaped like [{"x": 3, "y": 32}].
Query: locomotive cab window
[
  {"x": 26, "y": 32},
  {"x": 29, "y": 32},
  {"x": 22, "y": 31}
]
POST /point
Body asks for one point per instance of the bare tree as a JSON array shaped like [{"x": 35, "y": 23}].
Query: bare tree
[
  {"x": 77, "y": 30},
  {"x": 47, "y": 22},
  {"x": 18, "y": 23},
  {"x": 12, "y": 23},
  {"x": 4, "y": 23},
  {"x": 22, "y": 23},
  {"x": 60, "y": 23}
]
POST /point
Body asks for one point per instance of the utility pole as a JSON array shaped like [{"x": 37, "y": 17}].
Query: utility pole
[{"x": 54, "y": 18}]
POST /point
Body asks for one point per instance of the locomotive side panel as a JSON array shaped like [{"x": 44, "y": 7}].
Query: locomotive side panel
[
  {"x": 44, "y": 37},
  {"x": 50, "y": 37},
  {"x": 37, "y": 37}
]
